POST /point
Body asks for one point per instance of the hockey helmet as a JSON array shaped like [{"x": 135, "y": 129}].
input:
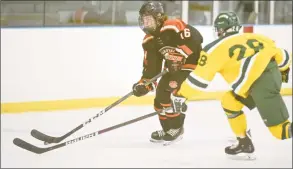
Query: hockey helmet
[
  {"x": 151, "y": 17},
  {"x": 226, "y": 22}
]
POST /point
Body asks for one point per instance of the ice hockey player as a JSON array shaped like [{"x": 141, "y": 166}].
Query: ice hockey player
[
  {"x": 178, "y": 45},
  {"x": 255, "y": 68}
]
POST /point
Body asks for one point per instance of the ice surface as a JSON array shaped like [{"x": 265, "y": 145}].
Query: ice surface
[{"x": 206, "y": 134}]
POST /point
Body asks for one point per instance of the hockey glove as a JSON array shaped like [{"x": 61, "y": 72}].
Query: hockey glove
[
  {"x": 140, "y": 89},
  {"x": 178, "y": 103},
  {"x": 285, "y": 75}
]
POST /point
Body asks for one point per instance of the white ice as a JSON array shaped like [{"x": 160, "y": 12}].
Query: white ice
[{"x": 206, "y": 135}]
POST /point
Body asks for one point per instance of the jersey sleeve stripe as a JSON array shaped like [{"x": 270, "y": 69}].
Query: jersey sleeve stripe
[
  {"x": 186, "y": 49},
  {"x": 177, "y": 25},
  {"x": 199, "y": 79},
  {"x": 180, "y": 24},
  {"x": 194, "y": 86},
  {"x": 195, "y": 82},
  {"x": 249, "y": 62},
  {"x": 188, "y": 66},
  {"x": 244, "y": 67},
  {"x": 286, "y": 59},
  {"x": 181, "y": 52},
  {"x": 145, "y": 61},
  {"x": 170, "y": 27},
  {"x": 147, "y": 38}
]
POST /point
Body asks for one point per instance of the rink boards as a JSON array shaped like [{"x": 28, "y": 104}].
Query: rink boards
[{"x": 45, "y": 69}]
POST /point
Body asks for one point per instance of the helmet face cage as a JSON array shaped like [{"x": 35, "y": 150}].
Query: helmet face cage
[
  {"x": 222, "y": 31},
  {"x": 219, "y": 31},
  {"x": 147, "y": 23}
]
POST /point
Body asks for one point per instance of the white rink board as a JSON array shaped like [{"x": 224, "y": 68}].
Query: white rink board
[{"x": 68, "y": 63}]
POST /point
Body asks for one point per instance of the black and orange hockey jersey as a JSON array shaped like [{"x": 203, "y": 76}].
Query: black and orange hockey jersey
[{"x": 175, "y": 33}]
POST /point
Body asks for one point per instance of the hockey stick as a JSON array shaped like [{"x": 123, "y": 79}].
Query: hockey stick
[
  {"x": 49, "y": 139},
  {"x": 29, "y": 147}
]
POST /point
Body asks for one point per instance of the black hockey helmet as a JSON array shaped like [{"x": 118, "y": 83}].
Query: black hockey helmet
[
  {"x": 151, "y": 17},
  {"x": 226, "y": 22}
]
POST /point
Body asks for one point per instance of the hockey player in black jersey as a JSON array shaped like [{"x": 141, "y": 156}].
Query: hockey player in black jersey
[{"x": 178, "y": 45}]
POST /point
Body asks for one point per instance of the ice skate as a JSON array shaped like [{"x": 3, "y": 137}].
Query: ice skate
[
  {"x": 157, "y": 136},
  {"x": 242, "y": 150},
  {"x": 173, "y": 135}
]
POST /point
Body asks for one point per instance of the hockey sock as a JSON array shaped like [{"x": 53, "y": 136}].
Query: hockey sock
[
  {"x": 235, "y": 115},
  {"x": 163, "y": 119},
  {"x": 282, "y": 131},
  {"x": 237, "y": 121},
  {"x": 174, "y": 120},
  {"x": 164, "y": 122}
]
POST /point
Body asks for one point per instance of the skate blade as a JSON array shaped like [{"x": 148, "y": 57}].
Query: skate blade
[
  {"x": 156, "y": 141},
  {"x": 242, "y": 156},
  {"x": 167, "y": 143}
]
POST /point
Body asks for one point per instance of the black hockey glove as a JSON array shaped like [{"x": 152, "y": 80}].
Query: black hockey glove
[
  {"x": 285, "y": 75},
  {"x": 178, "y": 103},
  {"x": 139, "y": 89}
]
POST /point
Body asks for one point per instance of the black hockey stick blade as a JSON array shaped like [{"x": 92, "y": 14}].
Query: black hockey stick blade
[
  {"x": 49, "y": 139},
  {"x": 41, "y": 136},
  {"x": 29, "y": 147}
]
